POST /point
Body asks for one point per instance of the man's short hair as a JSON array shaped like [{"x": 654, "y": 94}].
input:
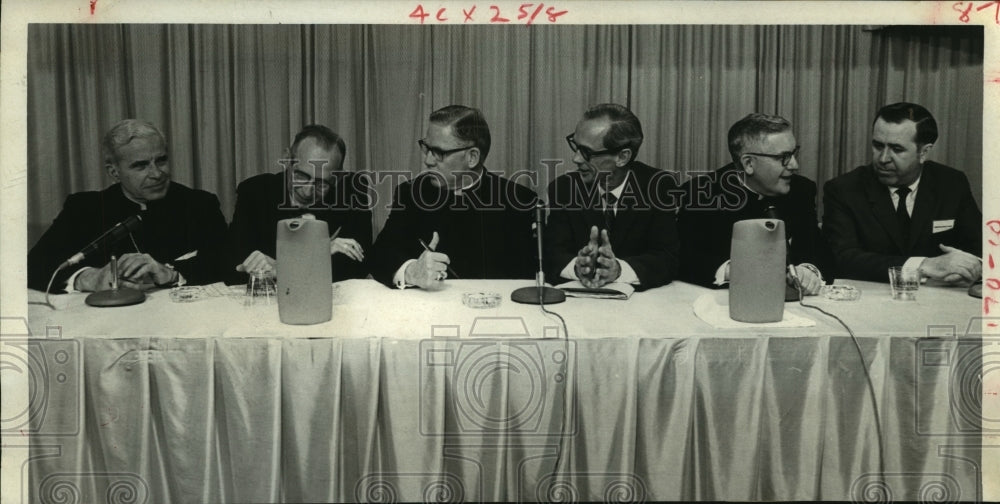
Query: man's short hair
[
  {"x": 896, "y": 113},
  {"x": 752, "y": 129},
  {"x": 469, "y": 125},
  {"x": 625, "y": 131},
  {"x": 121, "y": 134},
  {"x": 325, "y": 137}
]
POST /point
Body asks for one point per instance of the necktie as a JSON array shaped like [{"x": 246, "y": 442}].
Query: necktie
[
  {"x": 902, "y": 216},
  {"x": 609, "y": 210}
]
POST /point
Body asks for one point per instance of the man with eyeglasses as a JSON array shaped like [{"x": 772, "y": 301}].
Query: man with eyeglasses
[
  {"x": 903, "y": 209},
  {"x": 611, "y": 220},
  {"x": 761, "y": 182},
  {"x": 455, "y": 218},
  {"x": 179, "y": 239},
  {"x": 313, "y": 182}
]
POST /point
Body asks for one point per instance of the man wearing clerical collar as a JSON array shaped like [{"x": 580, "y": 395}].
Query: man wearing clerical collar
[
  {"x": 761, "y": 182},
  {"x": 313, "y": 182},
  {"x": 611, "y": 220},
  {"x": 181, "y": 233},
  {"x": 903, "y": 209},
  {"x": 455, "y": 216}
]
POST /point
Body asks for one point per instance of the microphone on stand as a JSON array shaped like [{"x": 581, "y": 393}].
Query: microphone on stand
[
  {"x": 539, "y": 294},
  {"x": 109, "y": 237},
  {"x": 115, "y": 296}
]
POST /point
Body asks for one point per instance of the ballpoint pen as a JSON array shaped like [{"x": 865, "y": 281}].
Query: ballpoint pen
[{"x": 450, "y": 271}]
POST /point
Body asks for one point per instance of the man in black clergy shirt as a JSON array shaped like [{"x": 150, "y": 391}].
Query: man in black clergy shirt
[
  {"x": 903, "y": 209},
  {"x": 612, "y": 220},
  {"x": 313, "y": 182},
  {"x": 761, "y": 182},
  {"x": 471, "y": 220},
  {"x": 181, "y": 233}
]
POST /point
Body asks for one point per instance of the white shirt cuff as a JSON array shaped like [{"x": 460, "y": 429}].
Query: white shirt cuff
[
  {"x": 569, "y": 271},
  {"x": 913, "y": 263},
  {"x": 721, "y": 277},
  {"x": 71, "y": 281},
  {"x": 399, "y": 279},
  {"x": 628, "y": 274}
]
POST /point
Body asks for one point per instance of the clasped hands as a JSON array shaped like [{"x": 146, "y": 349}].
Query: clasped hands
[
  {"x": 596, "y": 265},
  {"x": 136, "y": 271}
]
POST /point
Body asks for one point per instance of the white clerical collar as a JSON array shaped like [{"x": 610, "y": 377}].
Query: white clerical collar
[
  {"x": 142, "y": 206},
  {"x": 470, "y": 185}
]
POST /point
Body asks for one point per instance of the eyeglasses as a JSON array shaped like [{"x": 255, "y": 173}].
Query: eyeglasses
[
  {"x": 438, "y": 152},
  {"x": 784, "y": 157},
  {"x": 302, "y": 178},
  {"x": 586, "y": 152}
]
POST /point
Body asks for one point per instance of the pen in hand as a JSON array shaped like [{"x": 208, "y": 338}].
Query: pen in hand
[{"x": 450, "y": 271}]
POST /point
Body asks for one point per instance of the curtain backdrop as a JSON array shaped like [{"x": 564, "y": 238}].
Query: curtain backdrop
[{"x": 229, "y": 98}]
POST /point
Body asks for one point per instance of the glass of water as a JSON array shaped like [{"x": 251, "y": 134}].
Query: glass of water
[
  {"x": 904, "y": 282},
  {"x": 261, "y": 288}
]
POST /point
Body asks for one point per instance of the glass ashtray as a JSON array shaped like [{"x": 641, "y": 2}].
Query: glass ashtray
[
  {"x": 481, "y": 299},
  {"x": 841, "y": 292},
  {"x": 186, "y": 294}
]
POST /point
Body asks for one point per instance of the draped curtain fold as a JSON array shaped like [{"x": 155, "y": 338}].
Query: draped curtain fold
[{"x": 230, "y": 97}]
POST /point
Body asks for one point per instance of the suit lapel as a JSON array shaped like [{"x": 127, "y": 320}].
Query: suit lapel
[{"x": 881, "y": 205}]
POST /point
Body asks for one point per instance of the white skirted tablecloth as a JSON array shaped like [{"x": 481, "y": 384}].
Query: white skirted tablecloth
[{"x": 409, "y": 395}]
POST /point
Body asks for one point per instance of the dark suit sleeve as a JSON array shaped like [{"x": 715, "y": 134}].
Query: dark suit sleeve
[
  {"x": 809, "y": 245},
  {"x": 243, "y": 234},
  {"x": 65, "y": 237},
  {"x": 522, "y": 252},
  {"x": 840, "y": 226},
  {"x": 969, "y": 223},
  {"x": 397, "y": 242},
  {"x": 560, "y": 247},
  {"x": 706, "y": 235},
  {"x": 208, "y": 227},
  {"x": 357, "y": 226},
  {"x": 657, "y": 262}
]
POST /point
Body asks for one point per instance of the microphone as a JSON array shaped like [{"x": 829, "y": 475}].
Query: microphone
[
  {"x": 109, "y": 237},
  {"x": 539, "y": 294}
]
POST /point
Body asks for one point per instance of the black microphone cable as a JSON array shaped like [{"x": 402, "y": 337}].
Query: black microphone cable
[{"x": 864, "y": 367}]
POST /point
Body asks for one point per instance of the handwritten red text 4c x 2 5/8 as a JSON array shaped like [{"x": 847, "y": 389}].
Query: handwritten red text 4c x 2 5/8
[{"x": 527, "y": 13}]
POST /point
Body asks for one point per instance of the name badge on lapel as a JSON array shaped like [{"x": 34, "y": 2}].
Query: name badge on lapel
[{"x": 943, "y": 225}]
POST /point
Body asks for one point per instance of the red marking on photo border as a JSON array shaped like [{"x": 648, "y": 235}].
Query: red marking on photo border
[{"x": 93, "y": 6}]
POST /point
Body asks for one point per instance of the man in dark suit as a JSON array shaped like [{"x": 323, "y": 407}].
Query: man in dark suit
[
  {"x": 179, "y": 239},
  {"x": 761, "y": 182},
  {"x": 456, "y": 215},
  {"x": 313, "y": 182},
  {"x": 612, "y": 220},
  {"x": 902, "y": 209}
]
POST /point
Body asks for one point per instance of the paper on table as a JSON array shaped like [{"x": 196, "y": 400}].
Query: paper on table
[
  {"x": 716, "y": 315},
  {"x": 613, "y": 290}
]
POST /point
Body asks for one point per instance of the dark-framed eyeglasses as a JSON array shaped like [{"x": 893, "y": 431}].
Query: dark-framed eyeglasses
[
  {"x": 438, "y": 152},
  {"x": 784, "y": 157},
  {"x": 586, "y": 152},
  {"x": 302, "y": 178}
]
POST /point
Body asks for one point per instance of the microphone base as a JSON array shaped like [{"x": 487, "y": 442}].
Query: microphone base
[
  {"x": 529, "y": 295},
  {"x": 122, "y": 296}
]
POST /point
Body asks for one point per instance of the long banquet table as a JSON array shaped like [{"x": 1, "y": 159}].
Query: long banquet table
[{"x": 409, "y": 395}]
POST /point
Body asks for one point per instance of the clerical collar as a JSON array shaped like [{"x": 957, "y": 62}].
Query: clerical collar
[
  {"x": 142, "y": 206},
  {"x": 480, "y": 173}
]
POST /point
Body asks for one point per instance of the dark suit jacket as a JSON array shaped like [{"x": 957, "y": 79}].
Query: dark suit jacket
[
  {"x": 183, "y": 221},
  {"x": 644, "y": 232},
  {"x": 486, "y": 232},
  {"x": 716, "y": 201},
  {"x": 860, "y": 222},
  {"x": 262, "y": 201}
]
